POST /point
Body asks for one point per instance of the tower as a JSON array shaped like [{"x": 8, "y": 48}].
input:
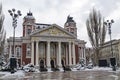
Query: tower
[
  {"x": 70, "y": 26},
  {"x": 28, "y": 24}
]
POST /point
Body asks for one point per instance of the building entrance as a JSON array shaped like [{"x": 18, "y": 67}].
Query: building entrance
[
  {"x": 62, "y": 63},
  {"x": 52, "y": 64},
  {"x": 41, "y": 64}
]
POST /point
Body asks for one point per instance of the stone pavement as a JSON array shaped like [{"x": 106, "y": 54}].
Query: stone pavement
[{"x": 73, "y": 75}]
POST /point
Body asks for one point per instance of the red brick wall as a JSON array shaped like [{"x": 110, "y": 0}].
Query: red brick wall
[{"x": 24, "y": 59}]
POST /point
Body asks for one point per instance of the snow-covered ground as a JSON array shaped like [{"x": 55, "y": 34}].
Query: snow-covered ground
[
  {"x": 8, "y": 75},
  {"x": 20, "y": 74}
]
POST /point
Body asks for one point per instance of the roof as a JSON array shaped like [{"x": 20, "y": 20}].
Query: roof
[{"x": 53, "y": 25}]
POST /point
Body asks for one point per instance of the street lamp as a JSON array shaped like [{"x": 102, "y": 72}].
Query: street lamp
[
  {"x": 13, "y": 60},
  {"x": 14, "y": 24},
  {"x": 108, "y": 23}
]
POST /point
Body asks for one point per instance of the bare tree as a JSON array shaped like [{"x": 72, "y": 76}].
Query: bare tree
[
  {"x": 2, "y": 31},
  {"x": 96, "y": 32}
]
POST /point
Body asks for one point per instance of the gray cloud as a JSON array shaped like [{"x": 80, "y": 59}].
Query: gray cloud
[{"x": 56, "y": 11}]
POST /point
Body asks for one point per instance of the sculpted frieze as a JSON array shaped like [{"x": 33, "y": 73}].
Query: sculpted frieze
[{"x": 43, "y": 38}]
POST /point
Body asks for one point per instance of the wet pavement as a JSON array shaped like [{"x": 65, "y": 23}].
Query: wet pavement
[{"x": 73, "y": 75}]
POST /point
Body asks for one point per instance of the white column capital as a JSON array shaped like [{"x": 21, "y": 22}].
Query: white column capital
[
  {"x": 73, "y": 42},
  {"x": 37, "y": 41},
  {"x": 59, "y": 41},
  {"x": 48, "y": 42},
  {"x": 69, "y": 42},
  {"x": 32, "y": 40}
]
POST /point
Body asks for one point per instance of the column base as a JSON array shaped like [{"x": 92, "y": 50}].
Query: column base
[
  {"x": 49, "y": 70},
  {"x": 60, "y": 66},
  {"x": 37, "y": 66},
  {"x": 61, "y": 69},
  {"x": 48, "y": 67}
]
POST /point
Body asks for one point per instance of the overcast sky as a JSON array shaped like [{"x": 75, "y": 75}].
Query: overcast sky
[{"x": 56, "y": 11}]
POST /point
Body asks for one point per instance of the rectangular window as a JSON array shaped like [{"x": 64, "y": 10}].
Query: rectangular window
[
  {"x": 18, "y": 51},
  {"x": 28, "y": 51},
  {"x": 28, "y": 31}
]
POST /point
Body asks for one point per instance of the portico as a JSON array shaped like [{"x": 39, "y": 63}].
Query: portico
[{"x": 52, "y": 53}]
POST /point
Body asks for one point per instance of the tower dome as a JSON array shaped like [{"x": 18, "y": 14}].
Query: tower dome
[
  {"x": 28, "y": 24},
  {"x": 29, "y": 15},
  {"x": 70, "y": 25}
]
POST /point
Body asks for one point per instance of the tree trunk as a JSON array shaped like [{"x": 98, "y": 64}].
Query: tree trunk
[{"x": 96, "y": 57}]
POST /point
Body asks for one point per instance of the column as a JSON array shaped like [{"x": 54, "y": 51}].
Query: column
[
  {"x": 79, "y": 50},
  {"x": 59, "y": 54},
  {"x": 81, "y": 53},
  {"x": 70, "y": 62},
  {"x": 32, "y": 54},
  {"x": 66, "y": 54},
  {"x": 84, "y": 55},
  {"x": 37, "y": 55},
  {"x": 74, "y": 57},
  {"x": 48, "y": 53}
]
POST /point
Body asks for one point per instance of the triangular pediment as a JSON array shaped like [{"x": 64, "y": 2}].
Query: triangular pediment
[{"x": 54, "y": 30}]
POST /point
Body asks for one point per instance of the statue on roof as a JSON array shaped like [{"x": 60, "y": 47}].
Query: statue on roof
[
  {"x": 70, "y": 19},
  {"x": 29, "y": 13}
]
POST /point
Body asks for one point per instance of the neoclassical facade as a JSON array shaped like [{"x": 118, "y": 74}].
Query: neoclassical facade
[
  {"x": 47, "y": 44},
  {"x": 105, "y": 51}
]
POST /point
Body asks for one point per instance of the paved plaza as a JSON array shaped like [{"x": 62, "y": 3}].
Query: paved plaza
[
  {"x": 73, "y": 75},
  {"x": 68, "y": 75}
]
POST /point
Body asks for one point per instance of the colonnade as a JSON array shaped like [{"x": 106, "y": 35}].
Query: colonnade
[{"x": 70, "y": 53}]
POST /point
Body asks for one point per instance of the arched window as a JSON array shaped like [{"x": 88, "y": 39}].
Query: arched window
[{"x": 29, "y": 31}]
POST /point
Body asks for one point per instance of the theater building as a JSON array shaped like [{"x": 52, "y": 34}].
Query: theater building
[{"x": 47, "y": 44}]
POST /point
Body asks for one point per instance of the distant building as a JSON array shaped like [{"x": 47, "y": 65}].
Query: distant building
[
  {"x": 105, "y": 51},
  {"x": 89, "y": 55},
  {"x": 47, "y": 44}
]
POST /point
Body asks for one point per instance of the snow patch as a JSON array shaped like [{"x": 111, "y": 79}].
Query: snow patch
[
  {"x": 18, "y": 74},
  {"x": 116, "y": 77},
  {"x": 100, "y": 68},
  {"x": 49, "y": 70},
  {"x": 61, "y": 69}
]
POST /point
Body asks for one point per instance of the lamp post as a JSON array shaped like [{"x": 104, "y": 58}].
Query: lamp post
[
  {"x": 108, "y": 23},
  {"x": 14, "y": 15},
  {"x": 14, "y": 24}
]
